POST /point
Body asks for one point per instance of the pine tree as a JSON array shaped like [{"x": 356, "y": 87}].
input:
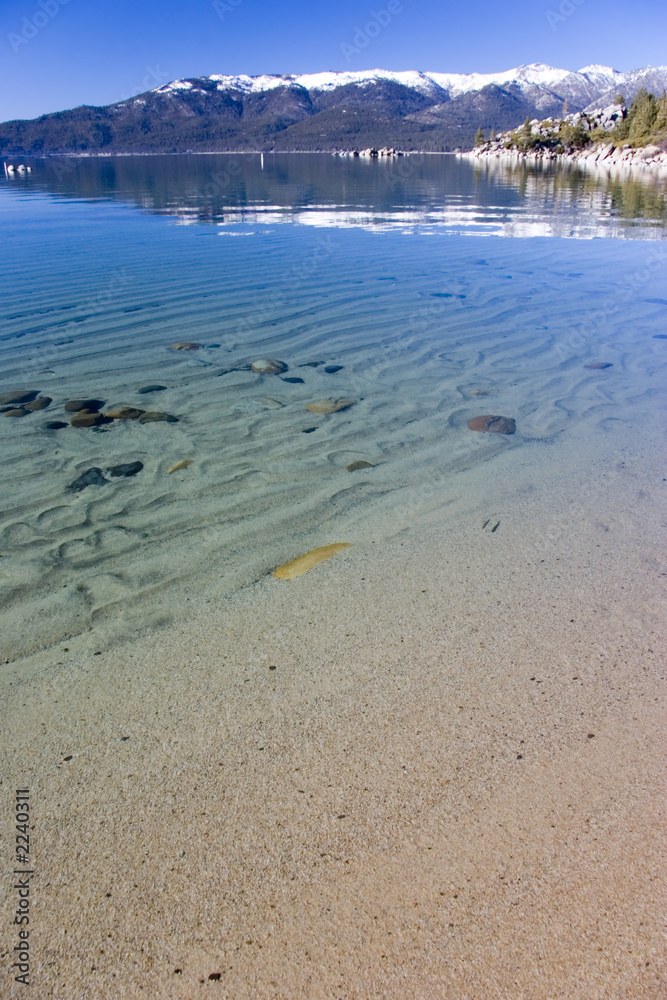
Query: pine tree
[
  {"x": 660, "y": 125},
  {"x": 524, "y": 136},
  {"x": 644, "y": 112},
  {"x": 479, "y": 136},
  {"x": 573, "y": 136},
  {"x": 640, "y": 125}
]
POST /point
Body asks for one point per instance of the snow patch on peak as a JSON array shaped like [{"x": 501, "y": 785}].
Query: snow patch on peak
[
  {"x": 539, "y": 74},
  {"x": 595, "y": 69},
  {"x": 328, "y": 81},
  {"x": 247, "y": 84},
  {"x": 534, "y": 74},
  {"x": 174, "y": 85}
]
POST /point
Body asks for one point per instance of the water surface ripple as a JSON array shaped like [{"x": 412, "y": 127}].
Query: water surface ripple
[{"x": 390, "y": 277}]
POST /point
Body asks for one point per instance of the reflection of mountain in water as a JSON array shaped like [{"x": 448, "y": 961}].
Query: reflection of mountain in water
[
  {"x": 624, "y": 201},
  {"x": 319, "y": 190}
]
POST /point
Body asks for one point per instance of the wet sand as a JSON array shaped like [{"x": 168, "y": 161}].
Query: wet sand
[{"x": 451, "y": 784}]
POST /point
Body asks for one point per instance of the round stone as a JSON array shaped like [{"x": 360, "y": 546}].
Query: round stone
[
  {"x": 91, "y": 405},
  {"x": 186, "y": 345},
  {"x": 86, "y": 419},
  {"x": 125, "y": 413},
  {"x": 18, "y": 397},
  {"x": 91, "y": 477},
  {"x": 152, "y": 416},
  {"x": 269, "y": 366},
  {"x": 329, "y": 405},
  {"x": 493, "y": 424},
  {"x": 40, "y": 403},
  {"x": 126, "y": 469}
]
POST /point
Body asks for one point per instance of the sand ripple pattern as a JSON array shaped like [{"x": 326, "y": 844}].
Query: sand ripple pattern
[{"x": 429, "y": 330}]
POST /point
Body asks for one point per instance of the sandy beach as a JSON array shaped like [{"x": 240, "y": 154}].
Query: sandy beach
[{"x": 431, "y": 767}]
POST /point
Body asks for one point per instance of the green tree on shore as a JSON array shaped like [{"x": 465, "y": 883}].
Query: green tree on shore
[
  {"x": 479, "y": 136},
  {"x": 524, "y": 137},
  {"x": 645, "y": 122}
]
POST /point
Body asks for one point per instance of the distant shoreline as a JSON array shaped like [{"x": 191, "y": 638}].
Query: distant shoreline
[
  {"x": 591, "y": 160},
  {"x": 229, "y": 152}
]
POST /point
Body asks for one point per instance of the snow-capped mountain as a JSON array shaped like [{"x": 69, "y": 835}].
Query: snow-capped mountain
[
  {"x": 591, "y": 81},
  {"x": 330, "y": 110}
]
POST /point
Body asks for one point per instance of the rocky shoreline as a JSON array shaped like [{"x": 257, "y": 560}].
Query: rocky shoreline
[
  {"x": 585, "y": 139},
  {"x": 649, "y": 160},
  {"x": 371, "y": 153}
]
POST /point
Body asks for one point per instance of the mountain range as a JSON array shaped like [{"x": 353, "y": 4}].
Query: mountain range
[{"x": 324, "y": 111}]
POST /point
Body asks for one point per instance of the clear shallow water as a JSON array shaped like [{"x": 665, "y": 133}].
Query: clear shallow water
[{"x": 399, "y": 283}]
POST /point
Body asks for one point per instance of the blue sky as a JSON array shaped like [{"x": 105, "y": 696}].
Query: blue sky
[{"x": 56, "y": 54}]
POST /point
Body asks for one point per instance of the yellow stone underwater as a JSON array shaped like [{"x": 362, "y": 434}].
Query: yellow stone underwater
[{"x": 313, "y": 558}]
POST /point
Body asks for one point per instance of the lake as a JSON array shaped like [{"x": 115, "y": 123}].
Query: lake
[
  {"x": 432, "y": 759},
  {"x": 392, "y": 273}
]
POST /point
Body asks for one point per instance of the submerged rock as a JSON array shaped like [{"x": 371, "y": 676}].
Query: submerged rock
[
  {"x": 84, "y": 418},
  {"x": 18, "y": 397},
  {"x": 152, "y": 416},
  {"x": 297, "y": 567},
  {"x": 19, "y": 411},
  {"x": 269, "y": 366},
  {"x": 599, "y": 364},
  {"x": 271, "y": 404},
  {"x": 125, "y": 413},
  {"x": 494, "y": 424},
  {"x": 186, "y": 345},
  {"x": 55, "y": 425},
  {"x": 91, "y": 477},
  {"x": 329, "y": 405},
  {"x": 295, "y": 380},
  {"x": 126, "y": 469},
  {"x": 180, "y": 465},
  {"x": 40, "y": 403},
  {"x": 312, "y": 364},
  {"x": 91, "y": 405},
  {"x": 151, "y": 388},
  {"x": 359, "y": 464},
  {"x": 332, "y": 369}
]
